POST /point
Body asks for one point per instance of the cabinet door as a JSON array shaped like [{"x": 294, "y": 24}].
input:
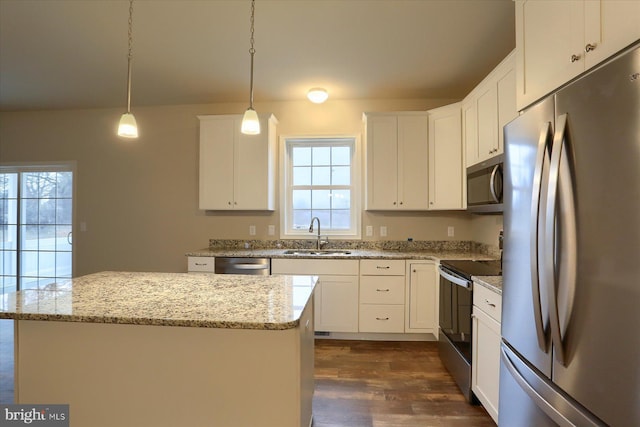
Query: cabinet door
[
  {"x": 254, "y": 164},
  {"x": 336, "y": 304},
  {"x": 445, "y": 158},
  {"x": 609, "y": 26},
  {"x": 470, "y": 130},
  {"x": 485, "y": 376},
  {"x": 413, "y": 176},
  {"x": 382, "y": 162},
  {"x": 507, "y": 109},
  {"x": 487, "y": 121},
  {"x": 422, "y": 298},
  {"x": 548, "y": 34},
  {"x": 216, "y": 163}
]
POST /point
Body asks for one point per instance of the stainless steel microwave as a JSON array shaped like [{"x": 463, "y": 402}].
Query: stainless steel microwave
[{"x": 484, "y": 186}]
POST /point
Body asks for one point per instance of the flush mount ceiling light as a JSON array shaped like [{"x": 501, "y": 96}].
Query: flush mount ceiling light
[
  {"x": 250, "y": 121},
  {"x": 317, "y": 95},
  {"x": 128, "y": 128}
]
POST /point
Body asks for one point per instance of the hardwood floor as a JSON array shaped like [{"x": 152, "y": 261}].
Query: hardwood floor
[{"x": 385, "y": 384}]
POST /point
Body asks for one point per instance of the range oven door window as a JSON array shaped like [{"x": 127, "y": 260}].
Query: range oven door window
[{"x": 455, "y": 315}]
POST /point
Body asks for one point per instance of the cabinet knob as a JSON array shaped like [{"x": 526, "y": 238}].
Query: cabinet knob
[
  {"x": 229, "y": 203},
  {"x": 394, "y": 203},
  {"x": 590, "y": 47},
  {"x": 401, "y": 202},
  {"x": 575, "y": 58}
]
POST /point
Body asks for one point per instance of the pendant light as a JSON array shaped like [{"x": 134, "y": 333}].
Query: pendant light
[
  {"x": 128, "y": 128},
  {"x": 250, "y": 121}
]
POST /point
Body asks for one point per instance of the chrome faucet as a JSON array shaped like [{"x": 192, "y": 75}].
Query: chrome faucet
[{"x": 315, "y": 218}]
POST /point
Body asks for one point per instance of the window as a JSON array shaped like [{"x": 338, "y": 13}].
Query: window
[
  {"x": 36, "y": 212},
  {"x": 320, "y": 179}
]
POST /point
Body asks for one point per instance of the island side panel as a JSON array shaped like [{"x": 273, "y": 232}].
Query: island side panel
[{"x": 140, "y": 375}]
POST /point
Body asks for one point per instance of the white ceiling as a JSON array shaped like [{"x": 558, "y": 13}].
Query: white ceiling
[{"x": 72, "y": 53}]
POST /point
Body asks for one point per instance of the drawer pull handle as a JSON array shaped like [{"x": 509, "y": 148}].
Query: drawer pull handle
[
  {"x": 490, "y": 304},
  {"x": 382, "y": 290},
  {"x": 201, "y": 263},
  {"x": 382, "y": 318},
  {"x": 382, "y": 267}
]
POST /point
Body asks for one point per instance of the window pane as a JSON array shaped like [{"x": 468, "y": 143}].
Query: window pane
[
  {"x": 301, "y": 199},
  {"x": 321, "y": 175},
  {"x": 63, "y": 211},
  {"x": 47, "y": 211},
  {"x": 302, "y": 175},
  {"x": 63, "y": 238},
  {"x": 29, "y": 263},
  {"x": 8, "y": 262},
  {"x": 321, "y": 156},
  {"x": 30, "y": 182},
  {"x": 9, "y": 237},
  {"x": 325, "y": 218},
  {"x": 301, "y": 156},
  {"x": 340, "y": 219},
  {"x": 301, "y": 219},
  {"x": 47, "y": 237},
  {"x": 65, "y": 184},
  {"x": 341, "y": 175},
  {"x": 341, "y": 156},
  {"x": 47, "y": 264},
  {"x": 29, "y": 283},
  {"x": 321, "y": 199},
  {"x": 47, "y": 186},
  {"x": 341, "y": 199},
  {"x": 29, "y": 212},
  {"x": 29, "y": 237},
  {"x": 63, "y": 264}
]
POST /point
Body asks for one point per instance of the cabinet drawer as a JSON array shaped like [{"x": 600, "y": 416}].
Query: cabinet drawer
[
  {"x": 382, "y": 289},
  {"x": 381, "y": 267},
  {"x": 381, "y": 318},
  {"x": 345, "y": 267},
  {"x": 487, "y": 301},
  {"x": 201, "y": 264}
]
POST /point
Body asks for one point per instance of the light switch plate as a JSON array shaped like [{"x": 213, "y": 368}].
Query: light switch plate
[
  {"x": 272, "y": 230},
  {"x": 450, "y": 231},
  {"x": 369, "y": 231},
  {"x": 252, "y": 230},
  {"x": 383, "y": 231}
]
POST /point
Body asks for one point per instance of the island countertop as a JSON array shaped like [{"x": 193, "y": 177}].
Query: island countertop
[{"x": 167, "y": 299}]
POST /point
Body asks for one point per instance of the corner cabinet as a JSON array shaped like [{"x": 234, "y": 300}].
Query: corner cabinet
[
  {"x": 556, "y": 40},
  {"x": 446, "y": 172},
  {"x": 485, "y": 375},
  {"x": 396, "y": 161},
  {"x": 485, "y": 111},
  {"x": 237, "y": 171},
  {"x": 422, "y": 298}
]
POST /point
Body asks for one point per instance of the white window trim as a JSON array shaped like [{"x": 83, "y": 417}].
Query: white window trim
[{"x": 356, "y": 176}]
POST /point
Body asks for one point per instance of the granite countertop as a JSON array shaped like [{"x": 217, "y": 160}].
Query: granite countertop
[
  {"x": 493, "y": 283},
  {"x": 353, "y": 254},
  {"x": 168, "y": 299}
]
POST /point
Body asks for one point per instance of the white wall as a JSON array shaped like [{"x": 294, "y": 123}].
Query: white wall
[{"x": 139, "y": 199}]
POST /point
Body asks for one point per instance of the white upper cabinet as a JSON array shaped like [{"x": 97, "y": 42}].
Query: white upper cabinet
[
  {"x": 396, "y": 161},
  {"x": 237, "y": 171},
  {"x": 446, "y": 172},
  {"x": 556, "y": 40},
  {"x": 486, "y": 110}
]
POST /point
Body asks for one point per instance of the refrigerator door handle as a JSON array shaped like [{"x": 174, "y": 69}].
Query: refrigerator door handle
[
  {"x": 562, "y": 411},
  {"x": 560, "y": 242},
  {"x": 537, "y": 207}
]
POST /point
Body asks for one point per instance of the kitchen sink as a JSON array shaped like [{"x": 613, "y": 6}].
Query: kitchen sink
[{"x": 316, "y": 252}]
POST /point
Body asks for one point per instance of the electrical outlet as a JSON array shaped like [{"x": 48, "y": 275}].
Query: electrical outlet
[
  {"x": 252, "y": 230},
  {"x": 369, "y": 231},
  {"x": 450, "y": 231},
  {"x": 383, "y": 231},
  {"x": 271, "y": 230}
]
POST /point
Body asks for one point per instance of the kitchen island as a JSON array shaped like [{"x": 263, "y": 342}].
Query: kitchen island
[{"x": 168, "y": 349}]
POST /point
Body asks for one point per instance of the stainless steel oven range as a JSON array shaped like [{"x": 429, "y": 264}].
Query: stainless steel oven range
[{"x": 456, "y": 301}]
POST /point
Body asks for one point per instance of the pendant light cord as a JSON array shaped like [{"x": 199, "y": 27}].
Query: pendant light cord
[
  {"x": 252, "y": 52},
  {"x": 129, "y": 56}
]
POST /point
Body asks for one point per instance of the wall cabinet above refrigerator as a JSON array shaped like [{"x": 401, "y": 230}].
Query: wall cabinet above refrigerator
[{"x": 237, "y": 171}]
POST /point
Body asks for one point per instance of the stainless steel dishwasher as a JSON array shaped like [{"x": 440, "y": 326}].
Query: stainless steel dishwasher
[{"x": 233, "y": 265}]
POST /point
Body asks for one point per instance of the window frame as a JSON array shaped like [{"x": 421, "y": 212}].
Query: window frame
[{"x": 286, "y": 184}]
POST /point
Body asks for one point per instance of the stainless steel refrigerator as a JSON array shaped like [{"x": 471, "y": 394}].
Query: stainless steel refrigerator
[{"x": 571, "y": 297}]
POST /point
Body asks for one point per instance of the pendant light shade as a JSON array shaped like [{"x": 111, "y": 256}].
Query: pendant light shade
[
  {"x": 250, "y": 121},
  {"x": 128, "y": 128}
]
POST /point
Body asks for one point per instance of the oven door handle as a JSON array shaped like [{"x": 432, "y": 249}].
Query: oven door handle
[{"x": 454, "y": 279}]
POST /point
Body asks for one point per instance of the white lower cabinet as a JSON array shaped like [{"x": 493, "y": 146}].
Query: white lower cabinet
[
  {"x": 485, "y": 376},
  {"x": 336, "y": 294},
  {"x": 422, "y": 297},
  {"x": 382, "y": 295}
]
